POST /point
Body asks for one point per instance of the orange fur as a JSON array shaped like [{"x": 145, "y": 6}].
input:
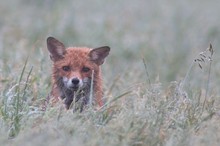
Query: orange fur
[{"x": 76, "y": 59}]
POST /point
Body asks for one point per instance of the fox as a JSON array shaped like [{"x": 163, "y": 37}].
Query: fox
[{"x": 76, "y": 73}]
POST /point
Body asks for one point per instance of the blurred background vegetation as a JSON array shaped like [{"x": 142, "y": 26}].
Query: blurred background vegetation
[{"x": 168, "y": 34}]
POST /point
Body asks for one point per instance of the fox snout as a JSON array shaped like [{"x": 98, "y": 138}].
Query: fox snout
[{"x": 73, "y": 83}]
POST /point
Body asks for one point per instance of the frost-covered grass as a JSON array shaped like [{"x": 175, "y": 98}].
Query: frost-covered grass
[{"x": 161, "y": 83}]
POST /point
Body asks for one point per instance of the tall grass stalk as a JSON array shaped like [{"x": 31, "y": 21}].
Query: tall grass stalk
[
  {"x": 182, "y": 84},
  {"x": 211, "y": 50},
  {"x": 18, "y": 106},
  {"x": 14, "y": 110},
  {"x": 148, "y": 76},
  {"x": 91, "y": 91}
]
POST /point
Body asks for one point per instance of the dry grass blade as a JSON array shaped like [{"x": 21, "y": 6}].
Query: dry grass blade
[
  {"x": 116, "y": 98},
  {"x": 91, "y": 91},
  {"x": 26, "y": 82},
  {"x": 211, "y": 50},
  {"x": 145, "y": 66}
]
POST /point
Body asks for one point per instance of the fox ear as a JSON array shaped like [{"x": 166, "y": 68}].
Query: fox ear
[
  {"x": 56, "y": 48},
  {"x": 98, "y": 55}
]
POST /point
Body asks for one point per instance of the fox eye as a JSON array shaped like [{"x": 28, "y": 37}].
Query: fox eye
[
  {"x": 85, "y": 69},
  {"x": 66, "y": 68}
]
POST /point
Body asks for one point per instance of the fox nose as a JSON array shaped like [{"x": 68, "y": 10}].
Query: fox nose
[{"x": 75, "y": 81}]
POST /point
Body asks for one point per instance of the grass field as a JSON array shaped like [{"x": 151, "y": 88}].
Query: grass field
[{"x": 161, "y": 82}]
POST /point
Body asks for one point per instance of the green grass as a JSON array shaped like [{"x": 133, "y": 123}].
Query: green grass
[{"x": 159, "y": 87}]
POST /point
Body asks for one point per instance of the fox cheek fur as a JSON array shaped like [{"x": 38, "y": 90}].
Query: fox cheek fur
[{"x": 73, "y": 69}]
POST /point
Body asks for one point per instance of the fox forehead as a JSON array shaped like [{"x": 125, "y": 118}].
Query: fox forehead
[
  {"x": 77, "y": 52},
  {"x": 76, "y": 57}
]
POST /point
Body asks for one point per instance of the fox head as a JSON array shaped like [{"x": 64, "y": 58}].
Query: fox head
[{"x": 73, "y": 66}]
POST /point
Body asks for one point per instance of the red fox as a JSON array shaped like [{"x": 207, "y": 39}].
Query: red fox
[{"x": 76, "y": 73}]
